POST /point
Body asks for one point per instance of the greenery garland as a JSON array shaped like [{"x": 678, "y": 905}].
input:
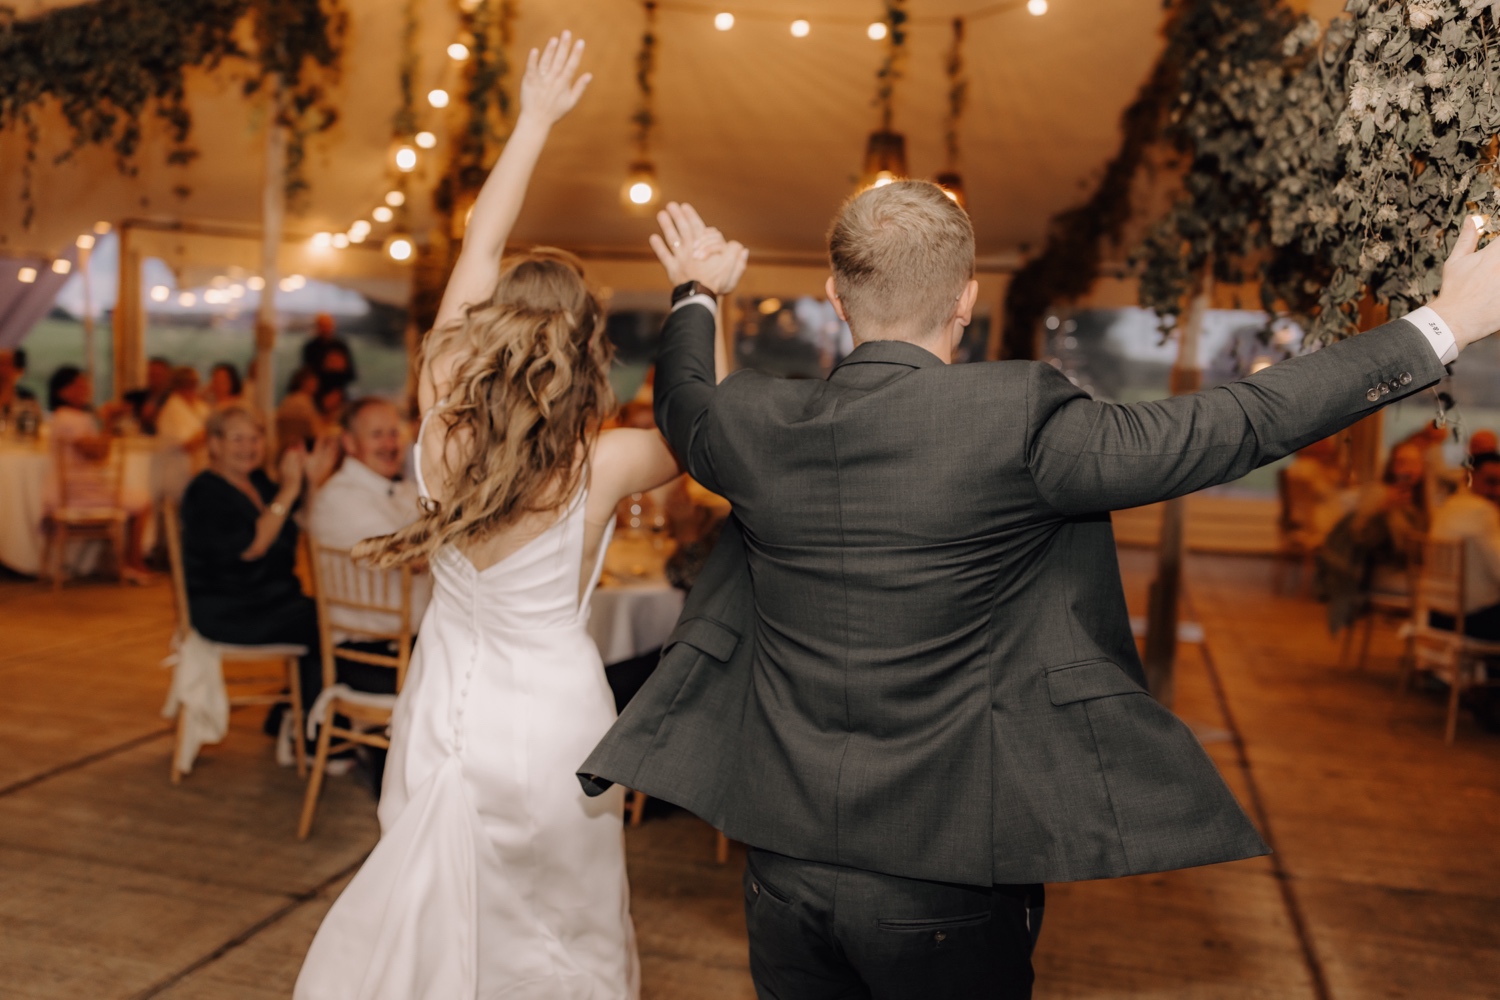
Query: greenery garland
[
  {"x": 107, "y": 62},
  {"x": 644, "y": 118},
  {"x": 893, "y": 65}
]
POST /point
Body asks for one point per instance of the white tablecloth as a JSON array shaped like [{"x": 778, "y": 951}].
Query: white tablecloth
[
  {"x": 26, "y": 483},
  {"x": 631, "y": 619}
]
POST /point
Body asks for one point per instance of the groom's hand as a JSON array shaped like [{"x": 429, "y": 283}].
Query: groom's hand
[
  {"x": 691, "y": 251},
  {"x": 1469, "y": 301}
]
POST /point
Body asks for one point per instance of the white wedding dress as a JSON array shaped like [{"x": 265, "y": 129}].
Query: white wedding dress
[{"x": 495, "y": 876}]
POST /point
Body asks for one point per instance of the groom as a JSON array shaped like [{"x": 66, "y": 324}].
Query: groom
[{"x": 906, "y": 679}]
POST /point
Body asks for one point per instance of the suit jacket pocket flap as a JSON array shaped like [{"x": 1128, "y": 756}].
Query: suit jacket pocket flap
[
  {"x": 1089, "y": 679},
  {"x": 715, "y": 639}
]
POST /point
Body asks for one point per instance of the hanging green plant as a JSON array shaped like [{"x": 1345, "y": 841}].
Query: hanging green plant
[{"x": 109, "y": 63}]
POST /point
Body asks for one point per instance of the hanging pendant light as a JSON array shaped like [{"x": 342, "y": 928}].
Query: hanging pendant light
[
  {"x": 885, "y": 150},
  {"x": 949, "y": 178},
  {"x": 885, "y": 159},
  {"x": 641, "y": 189},
  {"x": 953, "y": 186}
]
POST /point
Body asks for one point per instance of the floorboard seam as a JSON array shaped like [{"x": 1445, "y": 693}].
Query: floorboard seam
[
  {"x": 84, "y": 761},
  {"x": 243, "y": 937},
  {"x": 1283, "y": 878}
]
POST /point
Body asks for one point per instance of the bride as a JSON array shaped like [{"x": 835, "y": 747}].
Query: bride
[{"x": 494, "y": 875}]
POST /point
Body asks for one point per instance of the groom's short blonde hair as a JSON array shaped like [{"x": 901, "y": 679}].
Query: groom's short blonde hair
[{"x": 901, "y": 255}]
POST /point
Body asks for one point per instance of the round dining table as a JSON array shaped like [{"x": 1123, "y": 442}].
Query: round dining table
[{"x": 634, "y": 608}]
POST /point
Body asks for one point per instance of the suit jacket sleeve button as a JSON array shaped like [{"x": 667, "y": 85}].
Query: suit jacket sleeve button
[
  {"x": 1406, "y": 378},
  {"x": 1373, "y": 395},
  {"x": 1384, "y": 388}
]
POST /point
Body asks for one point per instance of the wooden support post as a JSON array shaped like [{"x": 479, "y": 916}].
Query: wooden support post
[
  {"x": 130, "y": 320},
  {"x": 1162, "y": 612},
  {"x": 273, "y": 211}
]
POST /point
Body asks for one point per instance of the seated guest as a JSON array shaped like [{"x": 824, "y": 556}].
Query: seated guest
[
  {"x": 297, "y": 418},
  {"x": 368, "y": 498},
  {"x": 1315, "y": 496},
  {"x": 182, "y": 424},
  {"x": 1483, "y": 442},
  {"x": 225, "y": 388},
  {"x": 327, "y": 355},
  {"x": 146, "y": 403},
  {"x": 331, "y": 402},
  {"x": 1370, "y": 550},
  {"x": 239, "y": 543},
  {"x": 1473, "y": 515},
  {"x": 12, "y": 391},
  {"x": 82, "y": 450}
]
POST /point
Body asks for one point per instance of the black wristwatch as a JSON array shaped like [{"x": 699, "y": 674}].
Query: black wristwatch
[{"x": 688, "y": 289}]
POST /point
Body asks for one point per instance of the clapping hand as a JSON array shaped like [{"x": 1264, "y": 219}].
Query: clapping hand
[
  {"x": 1469, "y": 301},
  {"x": 291, "y": 467},
  {"x": 692, "y": 251},
  {"x": 548, "y": 89}
]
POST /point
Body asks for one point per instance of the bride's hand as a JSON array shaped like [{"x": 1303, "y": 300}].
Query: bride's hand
[{"x": 548, "y": 90}]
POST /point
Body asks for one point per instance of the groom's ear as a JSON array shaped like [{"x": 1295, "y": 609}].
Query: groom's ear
[{"x": 833, "y": 296}]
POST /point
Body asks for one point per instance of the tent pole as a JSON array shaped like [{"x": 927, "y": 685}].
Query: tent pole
[
  {"x": 273, "y": 210},
  {"x": 130, "y": 320},
  {"x": 1162, "y": 611},
  {"x": 89, "y": 363}
]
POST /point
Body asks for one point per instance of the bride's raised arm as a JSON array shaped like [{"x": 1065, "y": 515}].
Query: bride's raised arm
[{"x": 548, "y": 92}]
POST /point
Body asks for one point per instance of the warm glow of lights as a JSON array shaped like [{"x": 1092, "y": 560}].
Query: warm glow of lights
[
  {"x": 426, "y": 140},
  {"x": 255, "y": 283},
  {"x": 641, "y": 193},
  {"x": 61, "y": 266},
  {"x": 340, "y": 241},
  {"x": 322, "y": 241},
  {"x": 213, "y": 297},
  {"x": 800, "y": 28},
  {"x": 187, "y": 300},
  {"x": 406, "y": 159},
  {"x": 85, "y": 242},
  {"x": 877, "y": 31},
  {"x": 359, "y": 230},
  {"x": 26, "y": 276},
  {"x": 395, "y": 199},
  {"x": 724, "y": 21},
  {"x": 439, "y": 98},
  {"x": 458, "y": 52},
  {"x": 952, "y": 195},
  {"x": 399, "y": 248},
  {"x": 1037, "y": 7},
  {"x": 236, "y": 291},
  {"x": 160, "y": 293},
  {"x": 1260, "y": 364},
  {"x": 883, "y": 178},
  {"x": 291, "y": 283},
  {"x": 383, "y": 214},
  {"x": 770, "y": 307},
  {"x": 100, "y": 228}
]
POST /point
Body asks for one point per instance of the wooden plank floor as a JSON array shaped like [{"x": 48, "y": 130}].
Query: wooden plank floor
[{"x": 113, "y": 884}]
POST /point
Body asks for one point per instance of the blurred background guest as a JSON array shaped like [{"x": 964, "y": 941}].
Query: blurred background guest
[
  {"x": 181, "y": 424},
  {"x": 327, "y": 355},
  {"x": 239, "y": 545},
  {"x": 1373, "y": 548},
  {"x": 86, "y": 476},
  {"x": 1483, "y": 442},
  {"x": 225, "y": 387},
  {"x": 332, "y": 399},
  {"x": 1473, "y": 516},
  {"x": 297, "y": 418},
  {"x": 1315, "y": 497},
  {"x": 146, "y": 403},
  {"x": 12, "y": 391}
]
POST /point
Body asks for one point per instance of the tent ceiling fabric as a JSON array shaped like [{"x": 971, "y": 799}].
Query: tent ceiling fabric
[{"x": 762, "y": 131}]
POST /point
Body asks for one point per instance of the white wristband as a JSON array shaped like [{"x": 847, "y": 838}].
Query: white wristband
[{"x": 1436, "y": 331}]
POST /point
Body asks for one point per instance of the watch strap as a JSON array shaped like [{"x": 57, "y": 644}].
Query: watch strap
[{"x": 688, "y": 289}]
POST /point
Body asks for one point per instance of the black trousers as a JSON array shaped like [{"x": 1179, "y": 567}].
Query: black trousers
[
  {"x": 1481, "y": 623},
  {"x": 825, "y": 932}
]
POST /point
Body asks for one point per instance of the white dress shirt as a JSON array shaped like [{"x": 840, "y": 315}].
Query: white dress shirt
[
  {"x": 358, "y": 503},
  {"x": 1471, "y": 518}
]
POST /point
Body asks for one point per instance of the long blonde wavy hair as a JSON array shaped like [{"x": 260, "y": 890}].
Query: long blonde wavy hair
[{"x": 528, "y": 402}]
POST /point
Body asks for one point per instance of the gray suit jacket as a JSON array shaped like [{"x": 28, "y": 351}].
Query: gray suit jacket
[{"x": 910, "y": 652}]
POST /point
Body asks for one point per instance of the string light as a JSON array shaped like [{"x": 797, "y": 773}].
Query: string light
[
  {"x": 322, "y": 241},
  {"x": 383, "y": 214},
  {"x": 61, "y": 266},
  {"x": 255, "y": 283},
  {"x": 458, "y": 52},
  {"x": 406, "y": 161},
  {"x": 877, "y": 31},
  {"x": 291, "y": 283},
  {"x": 439, "y": 98},
  {"x": 359, "y": 230},
  {"x": 724, "y": 21},
  {"x": 399, "y": 248},
  {"x": 426, "y": 140},
  {"x": 187, "y": 300},
  {"x": 160, "y": 293},
  {"x": 395, "y": 199},
  {"x": 801, "y": 29},
  {"x": 236, "y": 291},
  {"x": 26, "y": 276},
  {"x": 100, "y": 228},
  {"x": 340, "y": 241},
  {"x": 1036, "y": 7},
  {"x": 85, "y": 242}
]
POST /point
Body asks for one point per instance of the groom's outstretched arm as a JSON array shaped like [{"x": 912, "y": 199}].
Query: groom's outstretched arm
[{"x": 684, "y": 387}]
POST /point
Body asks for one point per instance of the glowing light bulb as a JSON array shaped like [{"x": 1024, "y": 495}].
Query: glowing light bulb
[
  {"x": 883, "y": 178},
  {"x": 340, "y": 241},
  {"x": 160, "y": 293},
  {"x": 61, "y": 266},
  {"x": 187, "y": 300},
  {"x": 395, "y": 199},
  {"x": 359, "y": 230},
  {"x": 26, "y": 275},
  {"x": 458, "y": 52},
  {"x": 255, "y": 283},
  {"x": 322, "y": 241},
  {"x": 100, "y": 228},
  {"x": 877, "y": 31},
  {"x": 426, "y": 140},
  {"x": 383, "y": 214},
  {"x": 1036, "y": 7},
  {"x": 800, "y": 28},
  {"x": 641, "y": 193},
  {"x": 236, "y": 291},
  {"x": 438, "y": 98},
  {"x": 770, "y": 307},
  {"x": 85, "y": 242},
  {"x": 952, "y": 195},
  {"x": 400, "y": 249},
  {"x": 406, "y": 159},
  {"x": 724, "y": 21}
]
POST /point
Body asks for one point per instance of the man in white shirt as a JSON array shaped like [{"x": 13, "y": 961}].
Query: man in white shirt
[
  {"x": 1473, "y": 515},
  {"x": 366, "y": 498}
]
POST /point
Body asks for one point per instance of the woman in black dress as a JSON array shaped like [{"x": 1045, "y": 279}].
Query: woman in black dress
[{"x": 239, "y": 542}]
